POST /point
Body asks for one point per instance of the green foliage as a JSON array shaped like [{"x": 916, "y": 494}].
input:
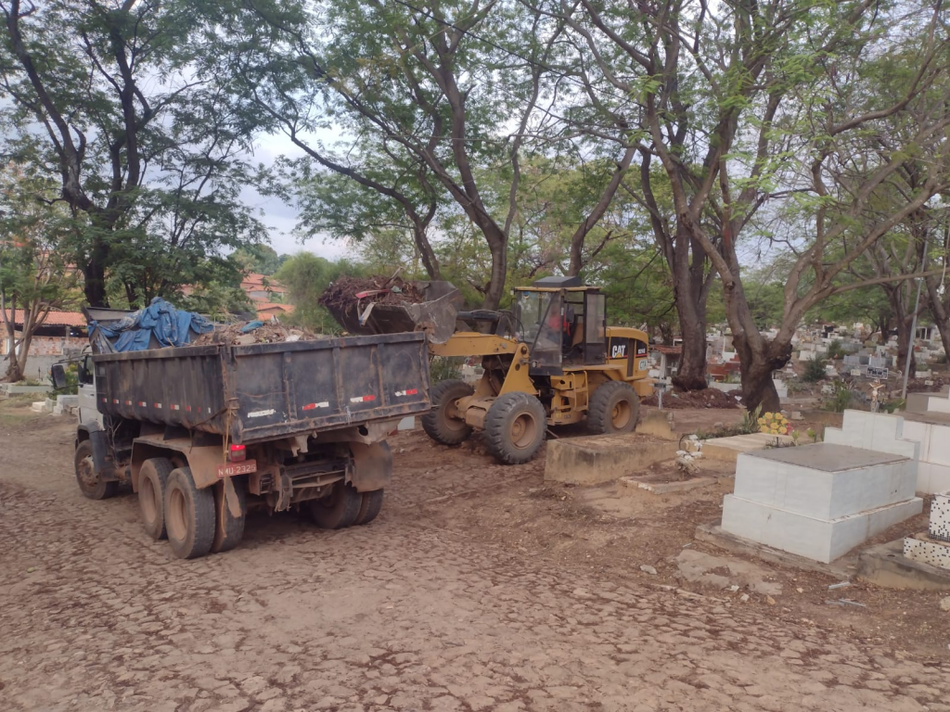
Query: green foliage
[
  {"x": 814, "y": 371},
  {"x": 258, "y": 258},
  {"x": 306, "y": 276},
  {"x": 835, "y": 349},
  {"x": 114, "y": 104},
  {"x": 35, "y": 274},
  {"x": 72, "y": 381},
  {"x": 445, "y": 369},
  {"x": 841, "y": 399}
]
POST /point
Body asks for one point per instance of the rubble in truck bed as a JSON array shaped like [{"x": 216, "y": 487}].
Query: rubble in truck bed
[
  {"x": 379, "y": 289},
  {"x": 247, "y": 333}
]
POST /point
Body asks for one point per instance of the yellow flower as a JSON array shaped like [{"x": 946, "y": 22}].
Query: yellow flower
[
  {"x": 768, "y": 417},
  {"x": 764, "y": 429},
  {"x": 761, "y": 421}
]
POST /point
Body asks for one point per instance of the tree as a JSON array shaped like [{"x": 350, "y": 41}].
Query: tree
[
  {"x": 116, "y": 101},
  {"x": 306, "y": 276},
  {"x": 780, "y": 120},
  {"x": 427, "y": 103},
  {"x": 34, "y": 276},
  {"x": 257, "y": 258}
]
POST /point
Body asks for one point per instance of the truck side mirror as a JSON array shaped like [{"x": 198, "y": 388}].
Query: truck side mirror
[{"x": 58, "y": 374}]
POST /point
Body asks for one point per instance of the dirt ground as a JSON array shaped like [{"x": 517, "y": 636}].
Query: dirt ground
[{"x": 478, "y": 588}]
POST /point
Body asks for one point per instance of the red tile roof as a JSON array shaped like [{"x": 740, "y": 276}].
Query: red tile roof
[
  {"x": 55, "y": 318},
  {"x": 668, "y": 350}
]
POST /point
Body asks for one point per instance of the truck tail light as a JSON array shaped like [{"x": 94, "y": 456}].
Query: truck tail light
[{"x": 238, "y": 453}]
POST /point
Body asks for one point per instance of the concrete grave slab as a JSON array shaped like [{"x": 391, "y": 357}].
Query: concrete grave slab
[
  {"x": 927, "y": 550},
  {"x": 824, "y": 481},
  {"x": 879, "y": 432},
  {"x": 940, "y": 518},
  {"x": 603, "y": 458},
  {"x": 885, "y": 565},
  {"x": 820, "y": 501},
  {"x": 729, "y": 449},
  {"x": 817, "y": 539}
]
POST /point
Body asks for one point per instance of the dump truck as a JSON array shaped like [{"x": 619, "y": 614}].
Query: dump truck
[
  {"x": 550, "y": 360},
  {"x": 203, "y": 434}
]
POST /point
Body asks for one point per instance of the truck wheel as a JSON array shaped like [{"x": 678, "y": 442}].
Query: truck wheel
[
  {"x": 189, "y": 515},
  {"x": 229, "y": 496},
  {"x": 614, "y": 408},
  {"x": 91, "y": 483},
  {"x": 153, "y": 477},
  {"x": 444, "y": 423},
  {"x": 369, "y": 509},
  {"x": 514, "y": 427},
  {"x": 337, "y": 510}
]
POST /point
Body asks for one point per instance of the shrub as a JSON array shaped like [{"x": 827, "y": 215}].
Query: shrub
[
  {"x": 835, "y": 349},
  {"x": 814, "y": 371},
  {"x": 445, "y": 369}
]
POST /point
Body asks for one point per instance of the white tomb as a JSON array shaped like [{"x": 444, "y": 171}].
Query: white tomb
[
  {"x": 933, "y": 546},
  {"x": 819, "y": 501}
]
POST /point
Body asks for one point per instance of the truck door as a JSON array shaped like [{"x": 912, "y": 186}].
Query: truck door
[{"x": 88, "y": 408}]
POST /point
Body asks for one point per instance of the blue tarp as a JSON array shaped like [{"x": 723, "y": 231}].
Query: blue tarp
[{"x": 168, "y": 325}]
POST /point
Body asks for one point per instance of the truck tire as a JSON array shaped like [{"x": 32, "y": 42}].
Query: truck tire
[
  {"x": 189, "y": 515},
  {"x": 153, "y": 478},
  {"x": 614, "y": 408},
  {"x": 443, "y": 423},
  {"x": 514, "y": 428},
  {"x": 337, "y": 510},
  {"x": 91, "y": 483},
  {"x": 228, "y": 527},
  {"x": 370, "y": 506}
]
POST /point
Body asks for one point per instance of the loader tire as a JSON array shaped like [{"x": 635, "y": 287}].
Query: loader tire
[
  {"x": 614, "y": 408},
  {"x": 337, "y": 510},
  {"x": 189, "y": 515},
  {"x": 444, "y": 423},
  {"x": 369, "y": 509},
  {"x": 228, "y": 526},
  {"x": 91, "y": 483},
  {"x": 514, "y": 428},
  {"x": 153, "y": 480}
]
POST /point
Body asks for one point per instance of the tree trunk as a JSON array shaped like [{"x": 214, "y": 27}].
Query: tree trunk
[
  {"x": 757, "y": 361},
  {"x": 499, "y": 270},
  {"x": 426, "y": 253},
  {"x": 691, "y": 373},
  {"x": 94, "y": 278},
  {"x": 905, "y": 342},
  {"x": 23, "y": 354},
  {"x": 939, "y": 313}
]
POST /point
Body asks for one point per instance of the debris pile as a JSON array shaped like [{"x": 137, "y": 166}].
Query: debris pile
[
  {"x": 706, "y": 398},
  {"x": 254, "y": 332},
  {"x": 926, "y": 385},
  {"x": 379, "y": 289}
]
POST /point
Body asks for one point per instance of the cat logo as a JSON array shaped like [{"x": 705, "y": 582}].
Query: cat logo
[{"x": 618, "y": 351}]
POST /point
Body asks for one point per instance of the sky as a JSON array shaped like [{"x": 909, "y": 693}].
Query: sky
[{"x": 280, "y": 217}]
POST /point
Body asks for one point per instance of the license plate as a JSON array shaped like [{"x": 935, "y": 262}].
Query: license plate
[{"x": 229, "y": 469}]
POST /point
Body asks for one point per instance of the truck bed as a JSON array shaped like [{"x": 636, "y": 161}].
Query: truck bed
[{"x": 266, "y": 391}]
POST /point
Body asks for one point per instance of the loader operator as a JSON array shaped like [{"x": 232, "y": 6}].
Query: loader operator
[{"x": 556, "y": 323}]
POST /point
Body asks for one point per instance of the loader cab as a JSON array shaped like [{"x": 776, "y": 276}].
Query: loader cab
[{"x": 563, "y": 321}]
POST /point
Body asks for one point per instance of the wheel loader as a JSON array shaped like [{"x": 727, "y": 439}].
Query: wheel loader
[{"x": 550, "y": 360}]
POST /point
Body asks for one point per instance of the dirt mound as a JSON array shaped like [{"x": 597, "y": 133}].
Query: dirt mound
[
  {"x": 268, "y": 333},
  {"x": 382, "y": 290},
  {"x": 708, "y": 398}
]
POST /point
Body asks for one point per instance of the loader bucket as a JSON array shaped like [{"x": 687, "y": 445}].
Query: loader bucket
[{"x": 435, "y": 315}]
